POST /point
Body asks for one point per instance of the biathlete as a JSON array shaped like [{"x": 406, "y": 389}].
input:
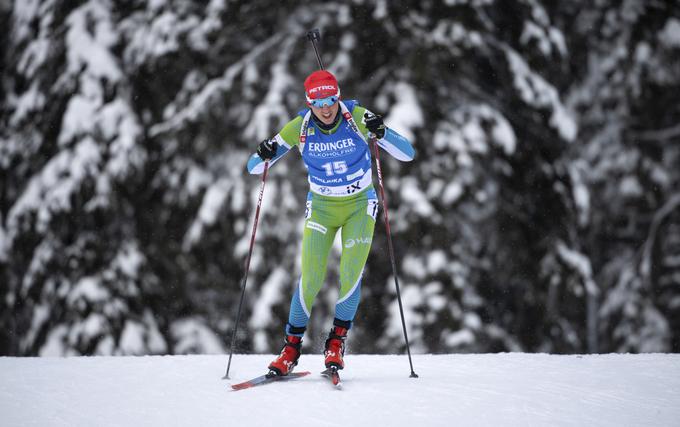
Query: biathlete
[{"x": 333, "y": 138}]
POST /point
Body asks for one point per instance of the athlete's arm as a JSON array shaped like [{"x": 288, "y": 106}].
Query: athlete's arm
[
  {"x": 395, "y": 144},
  {"x": 287, "y": 138}
]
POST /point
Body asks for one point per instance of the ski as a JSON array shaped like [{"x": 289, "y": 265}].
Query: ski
[
  {"x": 268, "y": 378},
  {"x": 333, "y": 375}
]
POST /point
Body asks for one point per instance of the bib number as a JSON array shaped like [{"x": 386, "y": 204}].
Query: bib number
[{"x": 335, "y": 168}]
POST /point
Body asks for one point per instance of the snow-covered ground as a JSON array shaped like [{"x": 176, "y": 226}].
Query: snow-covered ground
[{"x": 481, "y": 390}]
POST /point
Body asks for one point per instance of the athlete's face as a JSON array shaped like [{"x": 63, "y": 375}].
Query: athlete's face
[{"x": 326, "y": 113}]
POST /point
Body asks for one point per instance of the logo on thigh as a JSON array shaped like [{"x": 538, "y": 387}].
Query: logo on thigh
[
  {"x": 316, "y": 227},
  {"x": 350, "y": 243}
]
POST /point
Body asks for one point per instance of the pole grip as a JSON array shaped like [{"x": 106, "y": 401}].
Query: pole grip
[{"x": 314, "y": 36}]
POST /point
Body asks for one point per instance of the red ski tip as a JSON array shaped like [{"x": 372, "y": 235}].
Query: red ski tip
[{"x": 268, "y": 378}]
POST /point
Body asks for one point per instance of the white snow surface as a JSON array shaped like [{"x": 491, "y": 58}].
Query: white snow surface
[{"x": 512, "y": 389}]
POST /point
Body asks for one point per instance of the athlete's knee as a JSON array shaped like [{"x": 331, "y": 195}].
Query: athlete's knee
[{"x": 347, "y": 305}]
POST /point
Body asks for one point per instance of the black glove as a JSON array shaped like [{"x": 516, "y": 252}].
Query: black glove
[
  {"x": 267, "y": 149},
  {"x": 375, "y": 124}
]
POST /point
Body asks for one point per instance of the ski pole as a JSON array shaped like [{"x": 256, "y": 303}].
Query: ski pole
[
  {"x": 245, "y": 276},
  {"x": 390, "y": 249},
  {"x": 315, "y": 36}
]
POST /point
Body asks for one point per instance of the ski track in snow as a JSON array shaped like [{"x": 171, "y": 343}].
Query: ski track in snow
[{"x": 512, "y": 389}]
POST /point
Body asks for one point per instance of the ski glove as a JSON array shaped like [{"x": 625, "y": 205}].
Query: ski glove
[
  {"x": 375, "y": 124},
  {"x": 267, "y": 149}
]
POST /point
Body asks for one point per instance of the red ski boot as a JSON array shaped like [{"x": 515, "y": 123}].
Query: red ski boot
[
  {"x": 284, "y": 364},
  {"x": 335, "y": 347}
]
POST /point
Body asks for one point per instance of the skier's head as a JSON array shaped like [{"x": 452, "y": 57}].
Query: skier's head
[
  {"x": 322, "y": 93},
  {"x": 321, "y": 84}
]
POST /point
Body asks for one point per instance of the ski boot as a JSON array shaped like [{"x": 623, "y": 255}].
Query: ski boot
[
  {"x": 335, "y": 348},
  {"x": 288, "y": 359}
]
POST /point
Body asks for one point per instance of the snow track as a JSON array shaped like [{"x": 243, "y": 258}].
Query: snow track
[{"x": 489, "y": 390}]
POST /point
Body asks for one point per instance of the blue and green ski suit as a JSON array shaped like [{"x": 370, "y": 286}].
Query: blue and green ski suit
[{"x": 341, "y": 197}]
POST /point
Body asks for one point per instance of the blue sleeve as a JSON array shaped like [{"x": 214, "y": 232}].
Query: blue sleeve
[
  {"x": 256, "y": 164},
  {"x": 398, "y": 146}
]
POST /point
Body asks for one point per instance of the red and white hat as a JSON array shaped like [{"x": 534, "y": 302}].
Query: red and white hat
[{"x": 321, "y": 84}]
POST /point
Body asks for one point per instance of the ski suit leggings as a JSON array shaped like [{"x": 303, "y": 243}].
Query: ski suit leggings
[{"x": 355, "y": 217}]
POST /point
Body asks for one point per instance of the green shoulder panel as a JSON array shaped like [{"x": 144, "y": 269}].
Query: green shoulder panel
[
  {"x": 358, "y": 115},
  {"x": 291, "y": 131}
]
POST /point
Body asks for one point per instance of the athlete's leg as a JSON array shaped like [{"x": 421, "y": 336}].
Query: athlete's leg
[
  {"x": 317, "y": 239},
  {"x": 357, "y": 235}
]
